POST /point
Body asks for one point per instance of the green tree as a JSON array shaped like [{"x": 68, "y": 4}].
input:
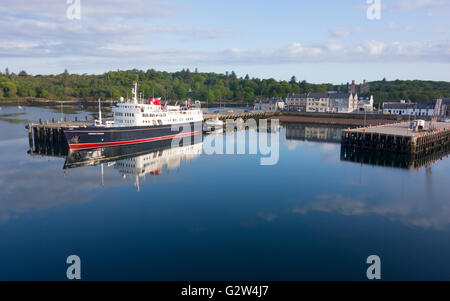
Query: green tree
[
  {"x": 293, "y": 80},
  {"x": 9, "y": 88}
]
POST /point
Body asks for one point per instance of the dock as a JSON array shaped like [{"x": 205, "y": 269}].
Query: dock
[
  {"x": 47, "y": 137},
  {"x": 243, "y": 116},
  {"x": 398, "y": 138}
]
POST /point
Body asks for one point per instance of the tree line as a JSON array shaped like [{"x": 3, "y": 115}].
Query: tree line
[{"x": 185, "y": 84}]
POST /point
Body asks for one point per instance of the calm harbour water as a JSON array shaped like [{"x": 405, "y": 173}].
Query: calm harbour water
[{"x": 312, "y": 216}]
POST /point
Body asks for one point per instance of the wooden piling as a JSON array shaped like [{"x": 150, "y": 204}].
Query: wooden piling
[{"x": 30, "y": 137}]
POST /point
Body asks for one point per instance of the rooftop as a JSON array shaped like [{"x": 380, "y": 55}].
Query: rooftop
[
  {"x": 268, "y": 100},
  {"x": 405, "y": 105}
]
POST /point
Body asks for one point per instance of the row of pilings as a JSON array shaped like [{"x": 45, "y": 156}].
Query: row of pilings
[
  {"x": 405, "y": 144},
  {"x": 399, "y": 160},
  {"x": 377, "y": 142},
  {"x": 49, "y": 141}
]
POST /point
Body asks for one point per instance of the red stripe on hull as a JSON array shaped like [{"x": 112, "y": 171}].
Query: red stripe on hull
[{"x": 101, "y": 144}]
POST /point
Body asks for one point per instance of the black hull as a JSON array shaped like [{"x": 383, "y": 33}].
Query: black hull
[
  {"x": 89, "y": 157},
  {"x": 94, "y": 137}
]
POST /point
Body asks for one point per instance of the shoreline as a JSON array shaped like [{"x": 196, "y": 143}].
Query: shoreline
[
  {"x": 53, "y": 103},
  {"x": 350, "y": 119}
]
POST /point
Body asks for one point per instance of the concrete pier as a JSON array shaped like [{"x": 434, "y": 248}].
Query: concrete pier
[{"x": 398, "y": 138}]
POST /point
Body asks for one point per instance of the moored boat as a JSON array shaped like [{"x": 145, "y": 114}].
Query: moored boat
[
  {"x": 213, "y": 124},
  {"x": 137, "y": 122}
]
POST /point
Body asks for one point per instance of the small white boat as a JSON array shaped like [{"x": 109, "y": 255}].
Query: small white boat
[{"x": 213, "y": 124}]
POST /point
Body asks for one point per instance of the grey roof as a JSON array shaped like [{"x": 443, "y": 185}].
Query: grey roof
[
  {"x": 427, "y": 105},
  {"x": 330, "y": 94},
  {"x": 339, "y": 95},
  {"x": 268, "y": 100},
  {"x": 405, "y": 105},
  {"x": 399, "y": 105},
  {"x": 318, "y": 95},
  {"x": 309, "y": 95},
  {"x": 296, "y": 95}
]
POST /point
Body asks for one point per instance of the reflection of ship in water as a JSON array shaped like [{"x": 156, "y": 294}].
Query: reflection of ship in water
[
  {"x": 380, "y": 158},
  {"x": 138, "y": 160},
  {"x": 309, "y": 132},
  {"x": 153, "y": 163},
  {"x": 89, "y": 157}
]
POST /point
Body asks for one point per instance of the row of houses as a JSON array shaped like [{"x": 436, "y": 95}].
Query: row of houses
[
  {"x": 417, "y": 109},
  {"x": 338, "y": 102},
  {"x": 335, "y": 102}
]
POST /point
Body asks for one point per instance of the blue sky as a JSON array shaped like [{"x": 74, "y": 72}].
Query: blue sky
[{"x": 319, "y": 41}]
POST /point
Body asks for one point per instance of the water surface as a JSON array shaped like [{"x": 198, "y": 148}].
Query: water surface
[{"x": 165, "y": 215}]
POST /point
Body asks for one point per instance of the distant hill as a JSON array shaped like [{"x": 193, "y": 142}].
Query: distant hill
[{"x": 195, "y": 85}]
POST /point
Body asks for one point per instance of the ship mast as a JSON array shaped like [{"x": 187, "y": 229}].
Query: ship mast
[
  {"x": 135, "y": 100},
  {"x": 99, "y": 111}
]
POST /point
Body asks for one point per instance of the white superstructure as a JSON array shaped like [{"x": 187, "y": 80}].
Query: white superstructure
[{"x": 136, "y": 113}]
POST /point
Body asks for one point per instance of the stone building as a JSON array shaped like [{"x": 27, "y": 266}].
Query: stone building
[
  {"x": 365, "y": 104},
  {"x": 445, "y": 107},
  {"x": 268, "y": 104},
  {"x": 308, "y": 102},
  {"x": 296, "y": 102},
  {"x": 317, "y": 102},
  {"x": 342, "y": 102},
  {"x": 407, "y": 108},
  {"x": 332, "y": 101},
  {"x": 363, "y": 88}
]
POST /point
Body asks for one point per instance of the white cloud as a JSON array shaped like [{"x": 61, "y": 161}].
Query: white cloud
[
  {"x": 408, "y": 5},
  {"x": 375, "y": 47},
  {"x": 98, "y": 9},
  {"x": 339, "y": 32},
  {"x": 330, "y": 51},
  {"x": 434, "y": 215},
  {"x": 345, "y": 32},
  {"x": 112, "y": 31}
]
